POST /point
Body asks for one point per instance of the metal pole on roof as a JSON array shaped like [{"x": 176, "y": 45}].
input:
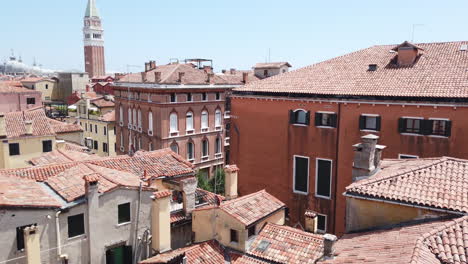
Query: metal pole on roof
[{"x": 412, "y": 33}]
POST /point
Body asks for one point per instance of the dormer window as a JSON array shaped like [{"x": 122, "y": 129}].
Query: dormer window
[{"x": 407, "y": 54}]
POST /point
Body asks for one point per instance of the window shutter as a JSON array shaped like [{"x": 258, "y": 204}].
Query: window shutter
[
  {"x": 362, "y": 122},
  {"x": 402, "y": 125},
  {"x": 377, "y": 125},
  {"x": 448, "y": 128},
  {"x": 426, "y": 127},
  {"x": 127, "y": 254},
  {"x": 308, "y": 118},
  {"x": 318, "y": 118},
  {"x": 334, "y": 119},
  {"x": 109, "y": 256},
  {"x": 291, "y": 117}
]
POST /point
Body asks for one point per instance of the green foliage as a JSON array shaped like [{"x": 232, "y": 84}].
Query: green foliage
[{"x": 215, "y": 184}]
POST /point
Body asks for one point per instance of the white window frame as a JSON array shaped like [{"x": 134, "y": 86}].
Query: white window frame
[
  {"x": 204, "y": 121},
  {"x": 327, "y": 113},
  {"x": 294, "y": 174},
  {"x": 173, "y": 124},
  {"x": 121, "y": 118},
  {"x": 139, "y": 118},
  {"x": 316, "y": 178},
  {"x": 407, "y": 155},
  {"x": 326, "y": 226},
  {"x": 300, "y": 124},
  {"x": 220, "y": 123},
  {"x": 191, "y": 123},
  {"x": 193, "y": 152},
  {"x": 411, "y": 133},
  {"x": 129, "y": 110},
  {"x": 370, "y": 129},
  {"x": 150, "y": 121}
]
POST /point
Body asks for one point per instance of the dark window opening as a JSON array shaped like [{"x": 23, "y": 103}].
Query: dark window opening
[
  {"x": 440, "y": 127},
  {"x": 322, "y": 223},
  {"x": 234, "y": 236},
  {"x": 47, "y": 146},
  {"x": 96, "y": 146},
  {"x": 299, "y": 117},
  {"x": 76, "y": 225},
  {"x": 265, "y": 73},
  {"x": 105, "y": 131},
  {"x": 95, "y": 129},
  {"x": 124, "y": 213},
  {"x": 251, "y": 231},
  {"x": 325, "y": 119},
  {"x": 20, "y": 236},
  {"x": 173, "y": 98},
  {"x": 30, "y": 101},
  {"x": 218, "y": 96},
  {"x": 404, "y": 156},
  {"x": 14, "y": 149},
  {"x": 301, "y": 174},
  {"x": 121, "y": 254},
  {"x": 425, "y": 127},
  {"x": 204, "y": 97},
  {"x": 189, "y": 97},
  {"x": 323, "y": 184},
  {"x": 367, "y": 122},
  {"x": 104, "y": 147}
]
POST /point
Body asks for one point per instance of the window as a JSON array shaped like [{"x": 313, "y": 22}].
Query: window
[
  {"x": 31, "y": 101},
  {"x": 204, "y": 97},
  {"x": 134, "y": 117},
  {"x": 321, "y": 223},
  {"x": 175, "y": 148},
  {"x": 204, "y": 119},
  {"x": 90, "y": 128},
  {"x": 47, "y": 146},
  {"x": 139, "y": 118},
  {"x": 86, "y": 126},
  {"x": 218, "y": 96},
  {"x": 205, "y": 148},
  {"x": 299, "y": 117},
  {"x": 173, "y": 122},
  {"x": 190, "y": 147},
  {"x": 301, "y": 174},
  {"x": 47, "y": 97},
  {"x": 440, "y": 127},
  {"x": 47, "y": 86},
  {"x": 104, "y": 147},
  {"x": 76, "y": 225},
  {"x": 189, "y": 121},
  {"x": 325, "y": 119},
  {"x": 105, "y": 130},
  {"x": 323, "y": 178},
  {"x": 234, "y": 236},
  {"x": 96, "y": 145},
  {"x": 150, "y": 121},
  {"x": 410, "y": 125},
  {"x": 124, "y": 213},
  {"x": 95, "y": 129},
  {"x": 251, "y": 231},
  {"x": 369, "y": 122},
  {"x": 265, "y": 73},
  {"x": 14, "y": 149},
  {"x": 173, "y": 98},
  {"x": 407, "y": 156},
  {"x": 218, "y": 145},
  {"x": 189, "y": 97},
  {"x": 121, "y": 113},
  {"x": 218, "y": 118},
  {"x": 129, "y": 116},
  {"x": 20, "y": 236}
]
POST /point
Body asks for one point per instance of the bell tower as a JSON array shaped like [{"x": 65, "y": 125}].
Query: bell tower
[{"x": 93, "y": 41}]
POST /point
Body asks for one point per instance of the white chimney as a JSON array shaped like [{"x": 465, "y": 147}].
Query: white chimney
[
  {"x": 367, "y": 156},
  {"x": 230, "y": 182},
  {"x": 3, "y": 133},
  {"x": 29, "y": 127}
]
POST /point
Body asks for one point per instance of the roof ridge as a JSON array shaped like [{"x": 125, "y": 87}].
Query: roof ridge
[
  {"x": 241, "y": 198},
  {"x": 292, "y": 229},
  {"x": 172, "y": 72}
]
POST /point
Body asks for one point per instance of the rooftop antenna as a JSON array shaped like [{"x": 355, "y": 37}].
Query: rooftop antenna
[
  {"x": 269, "y": 54},
  {"x": 412, "y": 33},
  {"x": 34, "y": 62}
]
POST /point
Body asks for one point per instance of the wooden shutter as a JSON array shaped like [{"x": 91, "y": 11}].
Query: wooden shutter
[
  {"x": 426, "y": 127},
  {"x": 378, "y": 121},
  {"x": 292, "y": 118},
  {"x": 362, "y": 122},
  {"x": 324, "y": 177},
  {"x": 334, "y": 119},
  {"x": 402, "y": 125},
  {"x": 127, "y": 254},
  {"x": 318, "y": 119},
  {"x": 307, "y": 118},
  {"x": 448, "y": 128},
  {"x": 109, "y": 256}
]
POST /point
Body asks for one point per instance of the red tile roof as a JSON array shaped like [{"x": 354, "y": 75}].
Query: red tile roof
[
  {"x": 108, "y": 117},
  {"x": 231, "y": 168},
  {"x": 284, "y": 244},
  {"x": 439, "y": 72},
  {"x": 25, "y": 193},
  {"x": 251, "y": 208},
  {"x": 61, "y": 156},
  {"x": 432, "y": 242},
  {"x": 162, "y": 194},
  {"x": 64, "y": 127},
  {"x": 15, "y": 123},
  {"x": 102, "y": 102},
  {"x": 6, "y": 87},
  {"x": 440, "y": 183}
]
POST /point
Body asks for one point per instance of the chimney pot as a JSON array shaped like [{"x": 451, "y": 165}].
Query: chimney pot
[
  {"x": 181, "y": 77},
  {"x": 147, "y": 66},
  {"x": 328, "y": 243},
  {"x": 245, "y": 77},
  {"x": 152, "y": 65},
  {"x": 367, "y": 157},
  {"x": 210, "y": 78},
  {"x": 29, "y": 127},
  {"x": 157, "y": 77},
  {"x": 230, "y": 183}
]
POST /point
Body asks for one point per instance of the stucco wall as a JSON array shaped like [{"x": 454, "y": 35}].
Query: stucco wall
[
  {"x": 11, "y": 102},
  {"x": 75, "y": 137},
  {"x": 30, "y": 147}
]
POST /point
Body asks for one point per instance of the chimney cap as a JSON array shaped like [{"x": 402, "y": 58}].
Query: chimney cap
[
  {"x": 231, "y": 168},
  {"x": 91, "y": 178},
  {"x": 330, "y": 237},
  {"x": 310, "y": 214},
  {"x": 162, "y": 194},
  {"x": 370, "y": 136}
]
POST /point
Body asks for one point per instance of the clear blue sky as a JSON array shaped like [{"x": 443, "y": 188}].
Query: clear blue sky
[{"x": 232, "y": 33}]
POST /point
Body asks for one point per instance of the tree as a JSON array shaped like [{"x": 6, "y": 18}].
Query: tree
[{"x": 214, "y": 184}]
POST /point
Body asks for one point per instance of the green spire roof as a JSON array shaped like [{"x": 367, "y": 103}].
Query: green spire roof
[{"x": 91, "y": 10}]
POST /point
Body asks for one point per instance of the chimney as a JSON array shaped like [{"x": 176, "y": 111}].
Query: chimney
[
  {"x": 87, "y": 88},
  {"x": 407, "y": 54},
  {"x": 143, "y": 77},
  {"x": 367, "y": 157},
  {"x": 92, "y": 198},
  {"x": 210, "y": 78},
  {"x": 3, "y": 133},
  {"x": 181, "y": 77},
  {"x": 310, "y": 221},
  {"x": 207, "y": 69},
  {"x": 147, "y": 66},
  {"x": 29, "y": 127},
  {"x": 230, "y": 182},
  {"x": 223, "y": 71},
  {"x": 157, "y": 77},
  {"x": 189, "y": 186},
  {"x": 32, "y": 239},
  {"x": 60, "y": 144},
  {"x": 161, "y": 221},
  {"x": 152, "y": 65},
  {"x": 232, "y": 71},
  {"x": 328, "y": 246},
  {"x": 245, "y": 77}
]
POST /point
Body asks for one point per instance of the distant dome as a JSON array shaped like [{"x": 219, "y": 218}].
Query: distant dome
[{"x": 15, "y": 67}]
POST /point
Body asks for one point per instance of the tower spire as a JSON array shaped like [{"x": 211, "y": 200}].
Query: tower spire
[{"x": 91, "y": 9}]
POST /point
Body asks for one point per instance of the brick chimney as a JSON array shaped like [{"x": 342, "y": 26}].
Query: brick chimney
[
  {"x": 189, "y": 186},
  {"x": 92, "y": 199},
  {"x": 232, "y": 71},
  {"x": 208, "y": 69},
  {"x": 161, "y": 221},
  {"x": 32, "y": 239},
  {"x": 152, "y": 65},
  {"x": 3, "y": 133},
  {"x": 157, "y": 77},
  {"x": 230, "y": 182},
  {"x": 29, "y": 127},
  {"x": 367, "y": 156},
  {"x": 245, "y": 77},
  {"x": 407, "y": 54},
  {"x": 181, "y": 77},
  {"x": 310, "y": 221},
  {"x": 210, "y": 78},
  {"x": 147, "y": 66},
  {"x": 328, "y": 246},
  {"x": 143, "y": 77}
]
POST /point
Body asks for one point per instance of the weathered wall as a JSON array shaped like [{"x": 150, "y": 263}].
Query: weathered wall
[
  {"x": 30, "y": 147},
  {"x": 11, "y": 102}
]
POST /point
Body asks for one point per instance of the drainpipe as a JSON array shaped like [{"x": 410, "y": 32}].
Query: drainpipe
[
  {"x": 59, "y": 244},
  {"x": 135, "y": 239}
]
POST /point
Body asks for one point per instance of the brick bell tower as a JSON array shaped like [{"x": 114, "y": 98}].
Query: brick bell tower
[{"x": 93, "y": 41}]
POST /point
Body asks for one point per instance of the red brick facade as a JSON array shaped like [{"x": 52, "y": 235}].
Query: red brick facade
[{"x": 94, "y": 60}]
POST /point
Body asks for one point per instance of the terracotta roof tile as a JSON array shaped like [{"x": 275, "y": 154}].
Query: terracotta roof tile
[
  {"x": 433, "y": 182},
  {"x": 286, "y": 244},
  {"x": 64, "y": 127},
  {"x": 162, "y": 194},
  {"x": 6, "y": 87},
  {"x": 61, "y": 156},
  {"x": 15, "y": 123},
  {"x": 250, "y": 208},
  {"x": 108, "y": 117},
  {"x": 231, "y": 168},
  {"x": 102, "y": 102},
  {"x": 441, "y": 71}
]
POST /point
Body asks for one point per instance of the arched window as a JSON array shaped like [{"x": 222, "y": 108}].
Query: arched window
[
  {"x": 218, "y": 118},
  {"x": 174, "y": 127},
  {"x": 121, "y": 118},
  {"x": 175, "y": 148},
  {"x": 205, "y": 148},
  {"x": 300, "y": 117},
  {"x": 134, "y": 117},
  {"x": 139, "y": 118},
  {"x": 190, "y": 151},
  {"x": 129, "y": 116},
  {"x": 218, "y": 145},
  {"x": 189, "y": 121},
  {"x": 150, "y": 121},
  {"x": 204, "y": 119}
]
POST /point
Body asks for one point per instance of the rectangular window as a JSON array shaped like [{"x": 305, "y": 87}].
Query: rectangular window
[
  {"x": 173, "y": 98},
  {"x": 301, "y": 174},
  {"x": 95, "y": 129},
  {"x": 410, "y": 125},
  {"x": 124, "y": 213},
  {"x": 204, "y": 97},
  {"x": 104, "y": 147},
  {"x": 86, "y": 126},
  {"x": 234, "y": 236},
  {"x": 323, "y": 178},
  {"x": 47, "y": 146},
  {"x": 14, "y": 149},
  {"x": 440, "y": 127},
  {"x": 105, "y": 131},
  {"x": 321, "y": 223},
  {"x": 31, "y": 101},
  {"x": 90, "y": 128},
  {"x": 20, "y": 237},
  {"x": 325, "y": 119},
  {"x": 369, "y": 122},
  {"x": 299, "y": 117},
  {"x": 189, "y": 97},
  {"x": 76, "y": 225},
  {"x": 96, "y": 146},
  {"x": 218, "y": 96},
  {"x": 251, "y": 231},
  {"x": 407, "y": 156}
]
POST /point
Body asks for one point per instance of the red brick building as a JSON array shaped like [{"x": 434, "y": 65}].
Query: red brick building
[
  {"x": 179, "y": 106},
  {"x": 293, "y": 134},
  {"x": 93, "y": 35}
]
